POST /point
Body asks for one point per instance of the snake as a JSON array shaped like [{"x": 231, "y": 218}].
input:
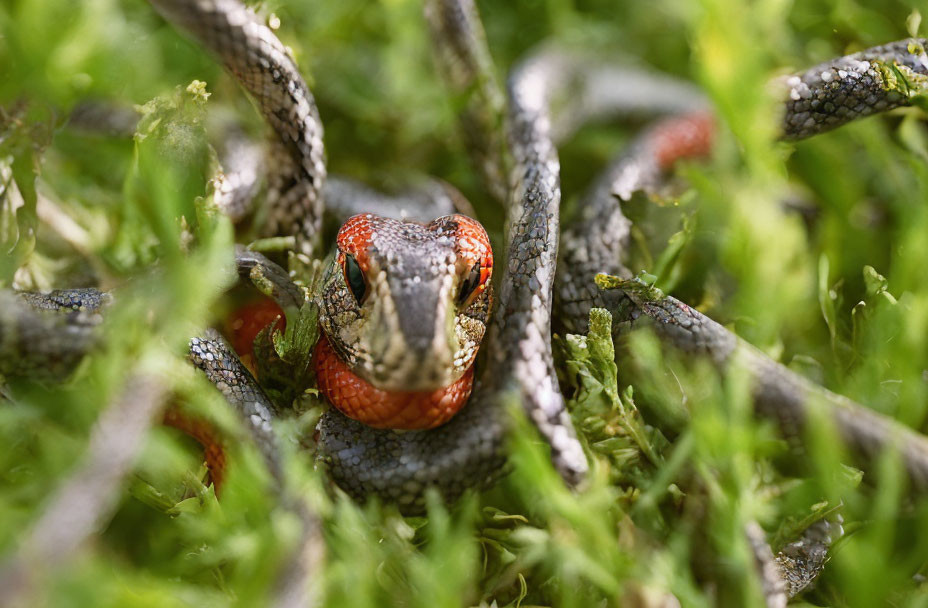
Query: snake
[{"x": 405, "y": 305}]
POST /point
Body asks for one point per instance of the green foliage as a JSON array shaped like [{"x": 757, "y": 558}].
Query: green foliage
[
  {"x": 815, "y": 252},
  {"x": 607, "y": 419},
  {"x": 284, "y": 358}
]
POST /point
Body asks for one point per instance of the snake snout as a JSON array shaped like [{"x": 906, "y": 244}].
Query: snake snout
[{"x": 417, "y": 353}]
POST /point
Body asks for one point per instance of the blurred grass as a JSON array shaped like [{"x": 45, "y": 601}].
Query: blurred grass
[{"x": 797, "y": 286}]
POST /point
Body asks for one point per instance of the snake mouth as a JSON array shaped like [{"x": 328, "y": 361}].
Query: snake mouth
[{"x": 362, "y": 401}]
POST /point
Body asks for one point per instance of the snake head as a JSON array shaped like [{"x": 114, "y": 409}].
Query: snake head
[{"x": 405, "y": 305}]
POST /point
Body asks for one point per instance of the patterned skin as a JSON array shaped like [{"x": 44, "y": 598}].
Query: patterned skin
[
  {"x": 779, "y": 394},
  {"x": 262, "y": 64},
  {"x": 598, "y": 241},
  {"x": 216, "y": 359},
  {"x": 366, "y": 463},
  {"x": 469, "y": 450},
  {"x": 845, "y": 89},
  {"x": 406, "y": 306},
  {"x": 429, "y": 286}
]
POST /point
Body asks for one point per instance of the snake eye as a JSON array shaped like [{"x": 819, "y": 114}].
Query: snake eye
[
  {"x": 473, "y": 284},
  {"x": 354, "y": 277}
]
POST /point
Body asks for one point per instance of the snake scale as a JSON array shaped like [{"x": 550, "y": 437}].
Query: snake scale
[{"x": 547, "y": 97}]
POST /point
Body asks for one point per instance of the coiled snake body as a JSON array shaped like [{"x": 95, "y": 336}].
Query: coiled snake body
[{"x": 386, "y": 343}]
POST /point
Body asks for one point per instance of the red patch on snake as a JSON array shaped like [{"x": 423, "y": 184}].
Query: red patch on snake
[
  {"x": 244, "y": 325},
  {"x": 360, "y": 400},
  {"x": 473, "y": 242},
  {"x": 689, "y": 136},
  {"x": 473, "y": 247},
  {"x": 354, "y": 237},
  {"x": 207, "y": 436}
]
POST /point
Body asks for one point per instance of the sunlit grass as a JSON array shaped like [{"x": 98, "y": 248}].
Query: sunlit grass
[{"x": 680, "y": 467}]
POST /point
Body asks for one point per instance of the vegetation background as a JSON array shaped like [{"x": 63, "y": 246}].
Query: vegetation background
[{"x": 815, "y": 252}]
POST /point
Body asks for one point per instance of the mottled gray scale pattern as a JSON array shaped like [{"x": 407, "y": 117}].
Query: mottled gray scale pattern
[
  {"x": 597, "y": 243},
  {"x": 339, "y": 309},
  {"x": 836, "y": 92},
  {"x": 522, "y": 358},
  {"x": 216, "y": 359},
  {"x": 46, "y": 335},
  {"x": 779, "y": 393},
  {"x": 803, "y": 560},
  {"x": 468, "y": 452},
  {"x": 396, "y": 466},
  {"x": 822, "y": 98},
  {"x": 520, "y": 338},
  {"x": 254, "y": 55},
  {"x": 88, "y": 300},
  {"x": 686, "y": 328}
]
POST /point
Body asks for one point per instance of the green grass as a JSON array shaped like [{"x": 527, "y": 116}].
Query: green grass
[{"x": 680, "y": 465}]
